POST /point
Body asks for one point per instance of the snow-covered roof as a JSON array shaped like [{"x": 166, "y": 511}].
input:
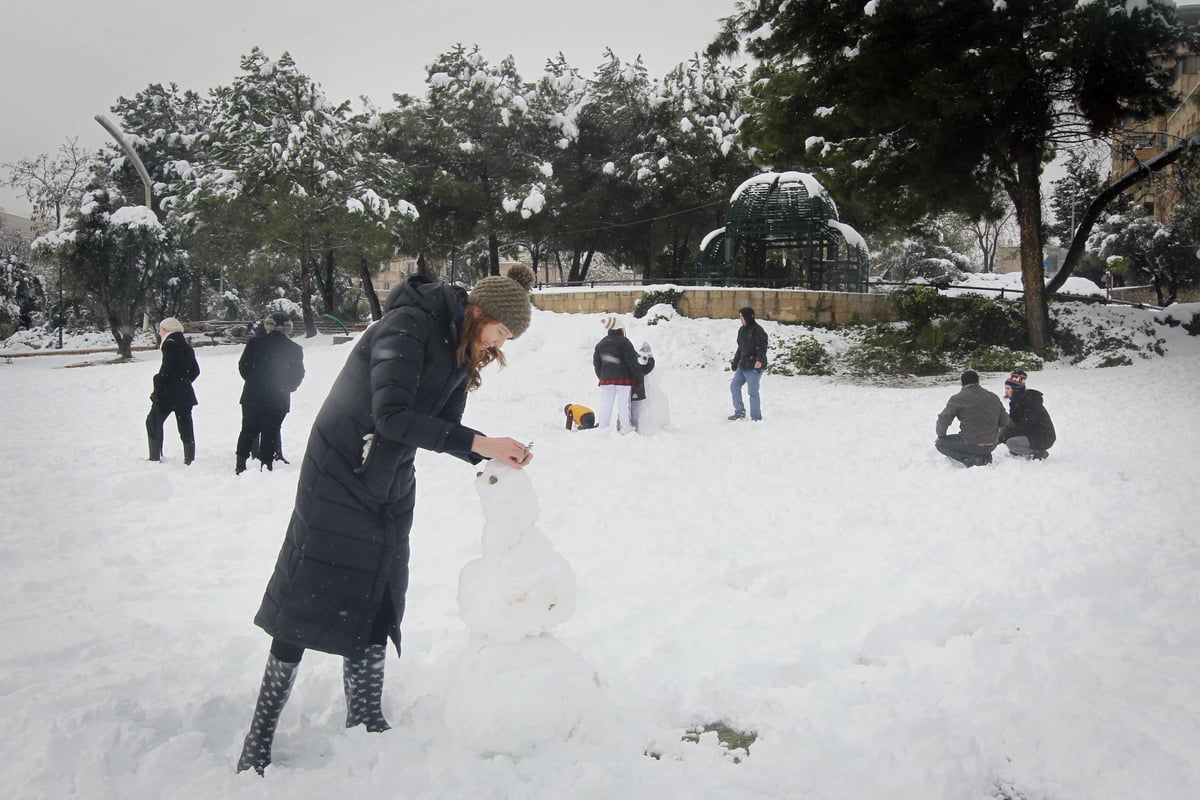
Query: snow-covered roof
[
  {"x": 709, "y": 237},
  {"x": 811, "y": 185},
  {"x": 852, "y": 237}
]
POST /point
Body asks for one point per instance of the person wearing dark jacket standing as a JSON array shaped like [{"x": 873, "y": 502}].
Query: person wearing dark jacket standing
[
  {"x": 1030, "y": 432},
  {"x": 980, "y": 416},
  {"x": 615, "y": 362},
  {"x": 173, "y": 392},
  {"x": 340, "y": 580},
  {"x": 272, "y": 367},
  {"x": 748, "y": 364}
]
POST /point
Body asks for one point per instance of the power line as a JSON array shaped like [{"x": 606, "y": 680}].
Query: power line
[{"x": 610, "y": 226}]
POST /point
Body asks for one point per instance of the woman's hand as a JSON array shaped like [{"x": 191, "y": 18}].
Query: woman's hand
[{"x": 510, "y": 451}]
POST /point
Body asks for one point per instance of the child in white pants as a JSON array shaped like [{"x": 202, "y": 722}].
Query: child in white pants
[{"x": 615, "y": 394}]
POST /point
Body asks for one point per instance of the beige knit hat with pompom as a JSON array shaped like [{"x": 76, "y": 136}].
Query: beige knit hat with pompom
[{"x": 505, "y": 298}]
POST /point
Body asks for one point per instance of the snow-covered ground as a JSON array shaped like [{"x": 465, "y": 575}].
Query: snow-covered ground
[{"x": 888, "y": 624}]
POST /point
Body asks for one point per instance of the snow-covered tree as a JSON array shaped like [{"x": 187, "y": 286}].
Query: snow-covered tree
[
  {"x": 933, "y": 250},
  {"x": 1140, "y": 248},
  {"x": 111, "y": 249},
  {"x": 297, "y": 173},
  {"x": 471, "y": 144},
  {"x": 22, "y": 292},
  {"x": 695, "y": 159}
]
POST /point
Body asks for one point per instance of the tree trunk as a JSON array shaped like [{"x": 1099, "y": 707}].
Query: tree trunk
[
  {"x": 1028, "y": 203},
  {"x": 194, "y": 310},
  {"x": 120, "y": 334},
  {"x": 368, "y": 285},
  {"x": 327, "y": 284},
  {"x": 493, "y": 254},
  {"x": 306, "y": 267}
]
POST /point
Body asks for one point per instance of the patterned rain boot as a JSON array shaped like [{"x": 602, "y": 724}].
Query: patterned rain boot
[
  {"x": 363, "y": 680},
  {"x": 272, "y": 695}
]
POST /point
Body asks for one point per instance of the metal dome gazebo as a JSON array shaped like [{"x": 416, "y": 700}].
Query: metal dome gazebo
[{"x": 783, "y": 231}]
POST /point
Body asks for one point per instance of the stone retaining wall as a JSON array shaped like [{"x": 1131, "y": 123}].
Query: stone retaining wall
[{"x": 780, "y": 305}]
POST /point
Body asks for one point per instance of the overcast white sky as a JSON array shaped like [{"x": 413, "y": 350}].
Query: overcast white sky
[{"x": 63, "y": 63}]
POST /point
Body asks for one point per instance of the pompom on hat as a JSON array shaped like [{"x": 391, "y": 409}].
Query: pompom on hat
[
  {"x": 505, "y": 298},
  {"x": 1017, "y": 380},
  {"x": 279, "y": 320}
]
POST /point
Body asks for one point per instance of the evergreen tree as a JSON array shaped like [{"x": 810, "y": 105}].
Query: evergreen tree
[
  {"x": 473, "y": 153},
  {"x": 111, "y": 249},
  {"x": 1140, "y": 248},
  {"x": 910, "y": 106},
  {"x": 607, "y": 171},
  {"x": 298, "y": 175},
  {"x": 697, "y": 160},
  {"x": 163, "y": 125}
]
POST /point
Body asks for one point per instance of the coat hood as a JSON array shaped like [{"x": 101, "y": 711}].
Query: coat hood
[{"x": 440, "y": 300}]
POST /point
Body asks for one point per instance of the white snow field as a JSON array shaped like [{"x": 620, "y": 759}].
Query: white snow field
[{"x": 886, "y": 623}]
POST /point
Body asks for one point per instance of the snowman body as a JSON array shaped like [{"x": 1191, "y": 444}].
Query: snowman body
[{"x": 515, "y": 687}]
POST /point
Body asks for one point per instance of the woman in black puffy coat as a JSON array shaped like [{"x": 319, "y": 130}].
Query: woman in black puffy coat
[
  {"x": 173, "y": 392},
  {"x": 340, "y": 580}
]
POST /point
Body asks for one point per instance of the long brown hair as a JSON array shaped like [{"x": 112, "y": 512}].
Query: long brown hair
[{"x": 469, "y": 354}]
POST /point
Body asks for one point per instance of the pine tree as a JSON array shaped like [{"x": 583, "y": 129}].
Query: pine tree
[
  {"x": 299, "y": 174},
  {"x": 112, "y": 249}
]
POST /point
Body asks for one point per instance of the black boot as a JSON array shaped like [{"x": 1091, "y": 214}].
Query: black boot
[
  {"x": 189, "y": 452},
  {"x": 156, "y": 448},
  {"x": 363, "y": 680},
  {"x": 240, "y": 466},
  {"x": 272, "y": 695}
]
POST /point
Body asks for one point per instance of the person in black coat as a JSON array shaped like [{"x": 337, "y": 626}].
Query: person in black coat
[
  {"x": 173, "y": 392},
  {"x": 340, "y": 580},
  {"x": 1030, "y": 432},
  {"x": 615, "y": 362},
  {"x": 272, "y": 367},
  {"x": 748, "y": 364}
]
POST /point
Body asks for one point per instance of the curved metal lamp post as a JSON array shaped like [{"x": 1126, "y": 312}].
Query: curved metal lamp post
[{"x": 132, "y": 155}]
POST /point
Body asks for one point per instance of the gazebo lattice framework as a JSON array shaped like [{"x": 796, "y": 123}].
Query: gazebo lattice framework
[{"x": 783, "y": 231}]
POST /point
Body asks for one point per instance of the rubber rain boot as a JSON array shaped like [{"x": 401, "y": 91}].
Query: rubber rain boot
[
  {"x": 363, "y": 680},
  {"x": 273, "y": 694}
]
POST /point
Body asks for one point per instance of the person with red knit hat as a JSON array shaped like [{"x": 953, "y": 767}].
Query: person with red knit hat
[{"x": 1030, "y": 432}]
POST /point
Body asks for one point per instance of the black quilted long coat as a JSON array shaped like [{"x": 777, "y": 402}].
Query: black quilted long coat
[{"x": 346, "y": 546}]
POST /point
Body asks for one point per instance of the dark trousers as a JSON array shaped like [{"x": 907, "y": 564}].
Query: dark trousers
[
  {"x": 261, "y": 425},
  {"x": 183, "y": 421},
  {"x": 969, "y": 454}
]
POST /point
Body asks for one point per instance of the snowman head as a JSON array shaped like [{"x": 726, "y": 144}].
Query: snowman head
[{"x": 506, "y": 493}]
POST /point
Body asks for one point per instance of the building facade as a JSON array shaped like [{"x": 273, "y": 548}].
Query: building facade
[{"x": 1145, "y": 139}]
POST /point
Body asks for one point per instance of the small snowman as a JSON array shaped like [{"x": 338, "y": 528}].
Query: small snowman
[
  {"x": 515, "y": 687},
  {"x": 654, "y": 412}
]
